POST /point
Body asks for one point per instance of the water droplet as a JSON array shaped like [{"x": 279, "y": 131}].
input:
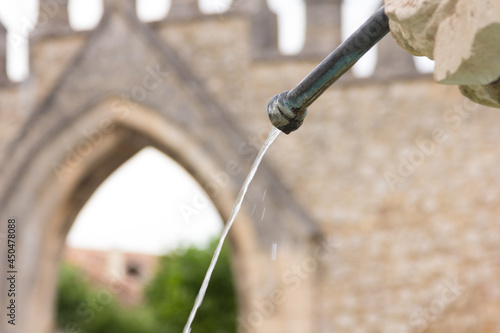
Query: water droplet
[
  {"x": 274, "y": 249},
  {"x": 253, "y": 209}
]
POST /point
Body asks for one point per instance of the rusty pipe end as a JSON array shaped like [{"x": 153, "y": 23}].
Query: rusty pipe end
[{"x": 282, "y": 116}]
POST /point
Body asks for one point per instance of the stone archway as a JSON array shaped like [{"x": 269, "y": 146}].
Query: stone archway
[
  {"x": 70, "y": 166},
  {"x": 76, "y": 182},
  {"x": 55, "y": 165}
]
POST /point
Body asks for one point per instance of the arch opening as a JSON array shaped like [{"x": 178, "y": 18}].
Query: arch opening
[
  {"x": 62, "y": 198},
  {"x": 154, "y": 203},
  {"x": 150, "y": 198}
]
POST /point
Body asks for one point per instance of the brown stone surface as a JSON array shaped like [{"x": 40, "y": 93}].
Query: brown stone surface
[
  {"x": 462, "y": 37},
  {"x": 398, "y": 174}
]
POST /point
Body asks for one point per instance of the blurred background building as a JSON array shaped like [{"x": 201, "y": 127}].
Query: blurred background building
[{"x": 133, "y": 270}]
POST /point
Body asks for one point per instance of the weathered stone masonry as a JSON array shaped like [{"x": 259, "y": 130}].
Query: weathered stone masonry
[{"x": 384, "y": 204}]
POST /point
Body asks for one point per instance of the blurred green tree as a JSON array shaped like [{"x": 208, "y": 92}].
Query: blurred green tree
[
  {"x": 169, "y": 297},
  {"x": 84, "y": 309},
  {"x": 171, "y": 293}
]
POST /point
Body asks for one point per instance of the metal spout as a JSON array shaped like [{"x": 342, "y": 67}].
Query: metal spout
[{"x": 288, "y": 109}]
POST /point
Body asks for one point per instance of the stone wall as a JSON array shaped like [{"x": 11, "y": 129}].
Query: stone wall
[{"x": 383, "y": 205}]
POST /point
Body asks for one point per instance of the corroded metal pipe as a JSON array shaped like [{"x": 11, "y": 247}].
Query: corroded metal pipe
[{"x": 288, "y": 109}]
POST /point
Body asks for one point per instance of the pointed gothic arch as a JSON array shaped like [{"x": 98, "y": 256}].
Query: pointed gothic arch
[{"x": 56, "y": 162}]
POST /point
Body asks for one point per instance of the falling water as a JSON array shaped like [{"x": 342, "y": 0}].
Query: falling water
[{"x": 236, "y": 208}]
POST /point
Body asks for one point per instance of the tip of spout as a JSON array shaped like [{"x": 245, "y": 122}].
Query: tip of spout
[{"x": 282, "y": 117}]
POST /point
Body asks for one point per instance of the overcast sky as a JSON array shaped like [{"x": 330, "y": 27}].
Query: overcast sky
[{"x": 142, "y": 206}]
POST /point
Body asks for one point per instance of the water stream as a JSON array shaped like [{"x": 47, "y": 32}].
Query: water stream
[{"x": 273, "y": 134}]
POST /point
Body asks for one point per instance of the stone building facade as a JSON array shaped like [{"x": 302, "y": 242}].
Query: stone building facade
[{"x": 383, "y": 205}]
